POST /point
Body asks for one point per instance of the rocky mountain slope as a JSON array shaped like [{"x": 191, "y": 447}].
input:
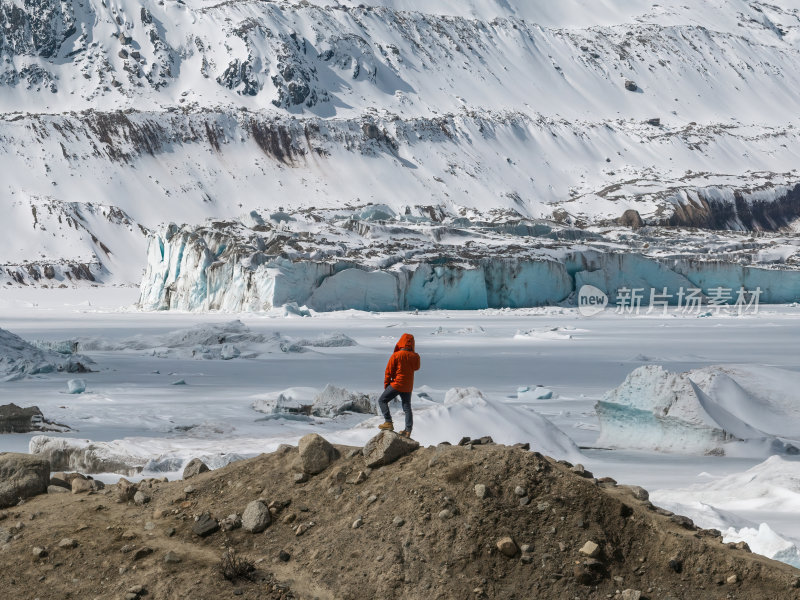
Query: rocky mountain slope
[
  {"x": 116, "y": 117},
  {"x": 472, "y": 521}
]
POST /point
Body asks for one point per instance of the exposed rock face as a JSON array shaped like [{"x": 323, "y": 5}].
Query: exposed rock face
[
  {"x": 22, "y": 476},
  {"x": 387, "y": 447},
  {"x": 316, "y": 453},
  {"x": 631, "y": 218},
  {"x": 14, "y": 419}
]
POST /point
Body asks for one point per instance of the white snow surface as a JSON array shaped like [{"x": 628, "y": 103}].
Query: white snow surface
[{"x": 772, "y": 486}]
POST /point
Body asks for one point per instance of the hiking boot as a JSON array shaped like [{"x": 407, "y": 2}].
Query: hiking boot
[
  {"x": 388, "y": 426},
  {"x": 404, "y": 433}
]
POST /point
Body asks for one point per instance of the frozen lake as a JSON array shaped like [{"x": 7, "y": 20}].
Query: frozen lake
[{"x": 131, "y": 400}]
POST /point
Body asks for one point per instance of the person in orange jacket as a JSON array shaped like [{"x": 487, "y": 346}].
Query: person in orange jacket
[{"x": 399, "y": 381}]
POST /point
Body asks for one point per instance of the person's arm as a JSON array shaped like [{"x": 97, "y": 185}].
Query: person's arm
[
  {"x": 416, "y": 362},
  {"x": 389, "y": 374}
]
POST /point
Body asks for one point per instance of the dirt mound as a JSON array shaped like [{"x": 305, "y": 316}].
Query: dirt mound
[{"x": 458, "y": 522}]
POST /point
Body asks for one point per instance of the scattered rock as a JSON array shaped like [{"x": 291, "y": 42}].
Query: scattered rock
[
  {"x": 445, "y": 514},
  {"x": 231, "y": 522},
  {"x": 142, "y": 552},
  {"x": 81, "y": 486},
  {"x": 631, "y": 86},
  {"x": 316, "y": 453},
  {"x": 57, "y": 489},
  {"x": 39, "y": 552},
  {"x": 579, "y": 469},
  {"x": 655, "y": 122},
  {"x": 256, "y": 517},
  {"x": 358, "y": 523},
  {"x": 140, "y": 498},
  {"x": 631, "y": 594},
  {"x": 171, "y": 558},
  {"x": 464, "y": 441},
  {"x": 22, "y": 476},
  {"x": 590, "y": 549},
  {"x": 520, "y": 491},
  {"x": 68, "y": 543},
  {"x": 300, "y": 477},
  {"x": 481, "y": 491},
  {"x": 387, "y": 447},
  {"x": 507, "y": 546},
  {"x": 398, "y": 521},
  {"x": 125, "y": 490},
  {"x": 205, "y": 525},
  {"x": 284, "y": 556},
  {"x": 194, "y": 467},
  {"x": 639, "y": 493},
  {"x": 684, "y": 522},
  {"x": 675, "y": 564},
  {"x": 731, "y": 579}
]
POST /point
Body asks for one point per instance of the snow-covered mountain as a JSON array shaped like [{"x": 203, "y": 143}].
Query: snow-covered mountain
[{"x": 119, "y": 116}]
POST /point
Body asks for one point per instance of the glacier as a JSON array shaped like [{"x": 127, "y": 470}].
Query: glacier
[{"x": 338, "y": 262}]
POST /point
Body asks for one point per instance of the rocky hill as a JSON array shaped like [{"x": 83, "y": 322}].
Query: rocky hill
[
  {"x": 117, "y": 117},
  {"x": 477, "y": 520}
]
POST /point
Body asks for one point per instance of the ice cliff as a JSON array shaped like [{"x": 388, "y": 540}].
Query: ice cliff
[{"x": 335, "y": 260}]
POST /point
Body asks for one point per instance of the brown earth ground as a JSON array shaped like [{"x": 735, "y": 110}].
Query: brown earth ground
[{"x": 445, "y": 547}]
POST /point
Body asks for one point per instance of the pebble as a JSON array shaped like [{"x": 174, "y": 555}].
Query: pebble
[
  {"x": 171, "y": 558},
  {"x": 507, "y": 546},
  {"x": 590, "y": 549},
  {"x": 480, "y": 491},
  {"x": 520, "y": 491},
  {"x": 68, "y": 543},
  {"x": 398, "y": 521},
  {"x": 358, "y": 523}
]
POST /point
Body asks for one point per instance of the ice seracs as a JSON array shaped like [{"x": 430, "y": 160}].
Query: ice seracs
[
  {"x": 20, "y": 359},
  {"x": 713, "y": 410}
]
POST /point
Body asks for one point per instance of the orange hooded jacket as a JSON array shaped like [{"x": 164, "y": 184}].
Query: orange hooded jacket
[{"x": 402, "y": 364}]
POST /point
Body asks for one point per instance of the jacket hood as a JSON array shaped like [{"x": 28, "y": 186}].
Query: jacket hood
[{"x": 406, "y": 341}]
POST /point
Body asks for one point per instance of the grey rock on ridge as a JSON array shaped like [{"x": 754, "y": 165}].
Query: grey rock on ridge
[
  {"x": 194, "y": 467},
  {"x": 316, "y": 453},
  {"x": 22, "y": 476},
  {"x": 387, "y": 447}
]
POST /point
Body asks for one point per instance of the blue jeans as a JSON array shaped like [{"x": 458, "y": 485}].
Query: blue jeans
[{"x": 390, "y": 394}]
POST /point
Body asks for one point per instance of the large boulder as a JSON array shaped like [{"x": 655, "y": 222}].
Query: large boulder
[
  {"x": 22, "y": 476},
  {"x": 316, "y": 453},
  {"x": 387, "y": 447},
  {"x": 194, "y": 467}
]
